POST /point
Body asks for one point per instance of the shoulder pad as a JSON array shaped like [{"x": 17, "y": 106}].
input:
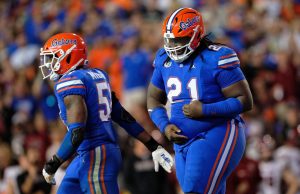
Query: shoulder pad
[
  {"x": 161, "y": 52},
  {"x": 227, "y": 58},
  {"x": 75, "y": 73},
  {"x": 70, "y": 81},
  {"x": 101, "y": 72},
  {"x": 105, "y": 74},
  {"x": 160, "y": 58},
  {"x": 215, "y": 47}
]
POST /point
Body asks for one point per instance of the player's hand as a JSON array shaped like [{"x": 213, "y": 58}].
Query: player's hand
[
  {"x": 171, "y": 133},
  {"x": 193, "y": 110},
  {"x": 50, "y": 168},
  {"x": 49, "y": 177},
  {"x": 161, "y": 157}
]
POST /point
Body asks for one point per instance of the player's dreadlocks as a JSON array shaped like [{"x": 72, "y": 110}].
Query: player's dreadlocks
[{"x": 205, "y": 42}]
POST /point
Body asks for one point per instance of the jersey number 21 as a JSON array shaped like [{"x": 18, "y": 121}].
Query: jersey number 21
[{"x": 175, "y": 86}]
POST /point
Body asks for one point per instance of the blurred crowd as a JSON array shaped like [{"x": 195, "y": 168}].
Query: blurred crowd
[{"x": 123, "y": 37}]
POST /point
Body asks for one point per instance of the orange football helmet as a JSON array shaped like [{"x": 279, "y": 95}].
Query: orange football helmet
[
  {"x": 182, "y": 31},
  {"x": 61, "y": 54}
]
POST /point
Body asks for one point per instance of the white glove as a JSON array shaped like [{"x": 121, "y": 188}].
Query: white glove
[
  {"x": 49, "y": 178},
  {"x": 162, "y": 157}
]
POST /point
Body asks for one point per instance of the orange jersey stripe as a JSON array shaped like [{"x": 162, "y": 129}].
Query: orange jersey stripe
[
  {"x": 228, "y": 159},
  {"x": 70, "y": 87},
  {"x": 230, "y": 64},
  {"x": 102, "y": 169},
  {"x": 227, "y": 56},
  {"x": 218, "y": 158},
  {"x": 90, "y": 172},
  {"x": 66, "y": 79}
]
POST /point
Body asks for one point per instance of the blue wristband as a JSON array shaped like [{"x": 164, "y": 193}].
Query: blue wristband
[
  {"x": 160, "y": 118},
  {"x": 66, "y": 148},
  {"x": 229, "y": 108}
]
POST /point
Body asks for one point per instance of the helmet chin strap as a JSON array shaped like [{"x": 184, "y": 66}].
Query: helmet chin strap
[
  {"x": 54, "y": 76},
  {"x": 74, "y": 66}
]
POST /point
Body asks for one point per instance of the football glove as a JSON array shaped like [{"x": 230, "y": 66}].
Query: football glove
[
  {"x": 50, "y": 168},
  {"x": 161, "y": 157},
  {"x": 49, "y": 177}
]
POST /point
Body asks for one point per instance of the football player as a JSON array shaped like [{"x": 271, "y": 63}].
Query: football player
[
  {"x": 88, "y": 107},
  {"x": 207, "y": 91},
  {"x": 275, "y": 172}
]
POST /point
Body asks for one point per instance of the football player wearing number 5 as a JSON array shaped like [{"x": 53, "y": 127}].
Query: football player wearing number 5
[
  {"x": 207, "y": 91},
  {"x": 87, "y": 107}
]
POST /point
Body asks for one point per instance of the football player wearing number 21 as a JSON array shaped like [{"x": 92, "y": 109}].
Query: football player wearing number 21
[
  {"x": 88, "y": 107},
  {"x": 207, "y": 91}
]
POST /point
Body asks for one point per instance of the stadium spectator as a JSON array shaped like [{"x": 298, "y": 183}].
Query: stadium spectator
[
  {"x": 139, "y": 175},
  {"x": 31, "y": 180},
  {"x": 273, "y": 172},
  {"x": 245, "y": 179},
  {"x": 258, "y": 29}
]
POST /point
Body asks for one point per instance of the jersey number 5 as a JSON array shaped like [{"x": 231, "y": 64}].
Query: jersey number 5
[
  {"x": 104, "y": 97},
  {"x": 175, "y": 88}
]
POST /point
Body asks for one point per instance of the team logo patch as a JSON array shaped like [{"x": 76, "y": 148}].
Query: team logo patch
[
  {"x": 63, "y": 41},
  {"x": 167, "y": 64},
  {"x": 189, "y": 22}
]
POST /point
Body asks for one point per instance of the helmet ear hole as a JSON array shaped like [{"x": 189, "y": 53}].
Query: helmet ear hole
[{"x": 68, "y": 58}]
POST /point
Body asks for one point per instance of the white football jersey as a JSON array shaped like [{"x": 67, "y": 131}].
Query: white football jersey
[
  {"x": 291, "y": 156},
  {"x": 271, "y": 174}
]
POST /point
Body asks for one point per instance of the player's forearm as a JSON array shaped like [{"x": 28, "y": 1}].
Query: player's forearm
[
  {"x": 246, "y": 102},
  {"x": 227, "y": 108},
  {"x": 68, "y": 147},
  {"x": 124, "y": 118},
  {"x": 159, "y": 117},
  {"x": 71, "y": 142},
  {"x": 148, "y": 141},
  {"x": 144, "y": 137},
  {"x": 127, "y": 122},
  {"x": 156, "y": 100},
  {"x": 76, "y": 118},
  {"x": 240, "y": 91}
]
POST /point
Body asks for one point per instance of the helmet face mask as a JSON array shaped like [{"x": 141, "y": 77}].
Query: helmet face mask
[
  {"x": 49, "y": 62},
  {"x": 182, "y": 31},
  {"x": 177, "y": 48},
  {"x": 61, "y": 54}
]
